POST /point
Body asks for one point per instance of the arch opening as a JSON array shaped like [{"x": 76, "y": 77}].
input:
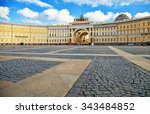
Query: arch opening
[{"x": 82, "y": 37}]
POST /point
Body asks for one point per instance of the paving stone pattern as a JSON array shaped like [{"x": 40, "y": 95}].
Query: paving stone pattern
[
  {"x": 18, "y": 69},
  {"x": 90, "y": 50},
  {"x": 50, "y": 56},
  {"x": 137, "y": 50},
  {"x": 112, "y": 77},
  {"x": 33, "y": 49},
  {"x": 6, "y": 48},
  {"x": 105, "y": 77},
  {"x": 43, "y": 50}
]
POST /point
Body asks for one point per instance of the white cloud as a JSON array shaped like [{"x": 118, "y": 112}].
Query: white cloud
[
  {"x": 95, "y": 3},
  {"x": 36, "y": 2},
  {"x": 99, "y": 16},
  {"x": 64, "y": 17},
  {"x": 4, "y": 12},
  {"x": 144, "y": 14},
  {"x": 51, "y": 14},
  {"x": 31, "y": 21},
  {"x": 58, "y": 17},
  {"x": 26, "y": 12},
  {"x": 54, "y": 16}
]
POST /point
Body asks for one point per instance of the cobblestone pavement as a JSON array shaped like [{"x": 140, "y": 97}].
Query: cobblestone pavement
[
  {"x": 137, "y": 50},
  {"x": 112, "y": 77},
  {"x": 51, "y": 56},
  {"x": 18, "y": 69},
  {"x": 33, "y": 49},
  {"x": 105, "y": 76},
  {"x": 80, "y": 50},
  {"x": 91, "y": 50},
  {"x": 5, "y": 48}
]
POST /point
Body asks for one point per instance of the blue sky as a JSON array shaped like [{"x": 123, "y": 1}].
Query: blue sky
[{"x": 64, "y": 11}]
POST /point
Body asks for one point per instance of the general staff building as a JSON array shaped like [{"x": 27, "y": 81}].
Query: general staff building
[{"x": 122, "y": 30}]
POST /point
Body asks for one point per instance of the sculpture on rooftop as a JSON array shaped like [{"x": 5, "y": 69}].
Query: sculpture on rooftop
[{"x": 82, "y": 18}]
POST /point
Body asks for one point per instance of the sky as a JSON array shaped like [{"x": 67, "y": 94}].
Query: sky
[{"x": 47, "y": 12}]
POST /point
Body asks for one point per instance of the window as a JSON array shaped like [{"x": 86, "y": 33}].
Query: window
[
  {"x": 126, "y": 32},
  {"x": 135, "y": 39},
  {"x": 134, "y": 31},
  {"x": 130, "y": 31},
  {"x": 121, "y": 39},
  {"x": 139, "y": 31},
  {"x": 143, "y": 24},
  {"x": 120, "y": 32},
  {"x": 143, "y": 30},
  {"x": 139, "y": 25},
  {"x": 134, "y": 25},
  {"x": 117, "y": 39}
]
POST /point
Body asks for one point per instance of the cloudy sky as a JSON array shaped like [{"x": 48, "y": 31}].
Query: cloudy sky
[{"x": 64, "y": 11}]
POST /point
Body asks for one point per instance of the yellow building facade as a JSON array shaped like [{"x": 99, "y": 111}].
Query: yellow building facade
[
  {"x": 12, "y": 34},
  {"x": 122, "y": 31}
]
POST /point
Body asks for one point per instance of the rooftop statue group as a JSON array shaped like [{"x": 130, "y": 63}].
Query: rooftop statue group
[{"x": 81, "y": 18}]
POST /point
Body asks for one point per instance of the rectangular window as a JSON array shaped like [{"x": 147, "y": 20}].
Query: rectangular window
[
  {"x": 143, "y": 30},
  {"x": 134, "y": 25},
  {"x": 134, "y": 31},
  {"x": 120, "y": 32},
  {"x": 125, "y": 32},
  {"x": 139, "y": 25},
  {"x": 135, "y": 39}
]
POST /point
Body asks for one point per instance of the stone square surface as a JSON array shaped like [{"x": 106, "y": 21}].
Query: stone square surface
[{"x": 108, "y": 75}]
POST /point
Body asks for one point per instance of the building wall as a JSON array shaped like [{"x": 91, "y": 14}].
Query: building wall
[
  {"x": 22, "y": 34},
  {"x": 58, "y": 35},
  {"x": 136, "y": 32},
  {"x": 133, "y": 31}
]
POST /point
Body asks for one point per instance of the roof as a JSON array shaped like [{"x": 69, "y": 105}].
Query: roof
[{"x": 122, "y": 17}]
